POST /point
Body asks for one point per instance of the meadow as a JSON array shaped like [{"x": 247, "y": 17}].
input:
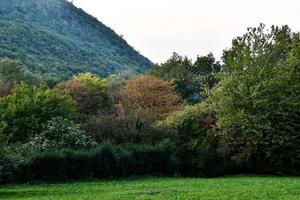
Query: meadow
[{"x": 231, "y": 187}]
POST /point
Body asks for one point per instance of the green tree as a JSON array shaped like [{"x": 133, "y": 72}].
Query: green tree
[
  {"x": 177, "y": 69},
  {"x": 193, "y": 80},
  {"x": 258, "y": 101},
  {"x": 14, "y": 71},
  {"x": 24, "y": 111},
  {"x": 205, "y": 70}
]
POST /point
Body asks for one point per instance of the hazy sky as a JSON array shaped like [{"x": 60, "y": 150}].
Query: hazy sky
[{"x": 190, "y": 27}]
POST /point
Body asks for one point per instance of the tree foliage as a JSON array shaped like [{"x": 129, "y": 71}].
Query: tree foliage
[
  {"x": 12, "y": 73},
  {"x": 193, "y": 80},
  {"x": 90, "y": 92},
  {"x": 23, "y": 112},
  {"x": 196, "y": 144},
  {"x": 150, "y": 93},
  {"x": 258, "y": 102}
]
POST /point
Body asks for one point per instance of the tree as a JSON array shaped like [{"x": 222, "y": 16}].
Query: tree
[
  {"x": 150, "y": 93},
  {"x": 205, "y": 70},
  {"x": 90, "y": 92},
  {"x": 177, "y": 70},
  {"x": 192, "y": 80},
  {"x": 23, "y": 112},
  {"x": 7, "y": 88},
  {"x": 13, "y": 70},
  {"x": 12, "y": 73},
  {"x": 117, "y": 82},
  {"x": 258, "y": 103}
]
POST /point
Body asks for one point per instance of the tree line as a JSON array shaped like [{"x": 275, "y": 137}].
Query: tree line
[{"x": 203, "y": 118}]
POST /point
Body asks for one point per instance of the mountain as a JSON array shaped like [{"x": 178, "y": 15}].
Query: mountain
[{"x": 53, "y": 37}]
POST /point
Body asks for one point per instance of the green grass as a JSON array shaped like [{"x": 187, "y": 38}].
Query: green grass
[{"x": 237, "y": 187}]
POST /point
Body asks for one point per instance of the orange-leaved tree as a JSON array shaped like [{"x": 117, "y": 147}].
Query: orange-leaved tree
[{"x": 150, "y": 93}]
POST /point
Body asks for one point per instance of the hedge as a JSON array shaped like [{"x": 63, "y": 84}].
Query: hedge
[{"x": 106, "y": 161}]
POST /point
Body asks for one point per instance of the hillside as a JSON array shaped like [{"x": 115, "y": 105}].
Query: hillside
[{"x": 53, "y": 37}]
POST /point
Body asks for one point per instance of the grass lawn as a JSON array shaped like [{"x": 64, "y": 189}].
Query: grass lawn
[{"x": 236, "y": 187}]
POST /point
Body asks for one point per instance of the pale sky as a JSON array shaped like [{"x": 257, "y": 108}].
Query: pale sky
[{"x": 157, "y": 28}]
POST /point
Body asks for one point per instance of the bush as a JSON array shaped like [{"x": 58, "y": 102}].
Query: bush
[
  {"x": 60, "y": 133},
  {"x": 103, "y": 162},
  {"x": 195, "y": 140},
  {"x": 24, "y": 111},
  {"x": 134, "y": 127},
  {"x": 10, "y": 159}
]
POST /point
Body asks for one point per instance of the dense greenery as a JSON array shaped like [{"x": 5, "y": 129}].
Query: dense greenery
[
  {"x": 182, "y": 118},
  {"x": 24, "y": 111},
  {"x": 153, "y": 188},
  {"x": 250, "y": 120},
  {"x": 258, "y": 101},
  {"x": 59, "y": 133},
  {"x": 53, "y": 37},
  {"x": 195, "y": 143},
  {"x": 103, "y": 162},
  {"x": 14, "y": 71},
  {"x": 12, "y": 74},
  {"x": 194, "y": 81}
]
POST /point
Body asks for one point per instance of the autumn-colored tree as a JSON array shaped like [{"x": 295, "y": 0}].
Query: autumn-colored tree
[
  {"x": 153, "y": 94},
  {"x": 90, "y": 93},
  {"x": 12, "y": 73},
  {"x": 7, "y": 88}
]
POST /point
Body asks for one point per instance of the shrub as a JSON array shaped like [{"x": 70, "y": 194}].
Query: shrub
[
  {"x": 103, "y": 162},
  {"x": 60, "y": 133},
  {"x": 24, "y": 111},
  {"x": 10, "y": 159},
  {"x": 132, "y": 127},
  {"x": 195, "y": 141}
]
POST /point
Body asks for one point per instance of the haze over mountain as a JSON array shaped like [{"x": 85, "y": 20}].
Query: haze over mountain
[{"x": 53, "y": 37}]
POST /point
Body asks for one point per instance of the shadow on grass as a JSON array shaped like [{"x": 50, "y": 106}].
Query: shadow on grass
[{"x": 21, "y": 194}]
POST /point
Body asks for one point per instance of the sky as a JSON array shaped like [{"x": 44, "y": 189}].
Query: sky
[{"x": 157, "y": 28}]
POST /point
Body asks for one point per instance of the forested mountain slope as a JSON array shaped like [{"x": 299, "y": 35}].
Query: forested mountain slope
[{"x": 53, "y": 37}]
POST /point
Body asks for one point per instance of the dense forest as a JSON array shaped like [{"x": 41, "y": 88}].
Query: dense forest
[{"x": 54, "y": 38}]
